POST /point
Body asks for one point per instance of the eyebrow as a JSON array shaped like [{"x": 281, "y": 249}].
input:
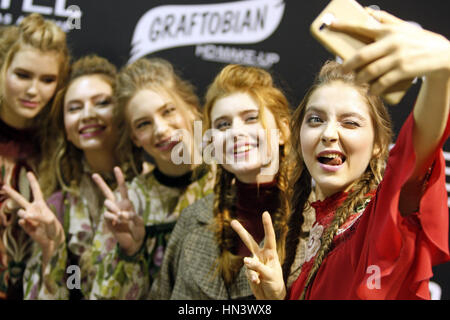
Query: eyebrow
[
  {"x": 240, "y": 114},
  {"x": 346, "y": 114},
  {"x": 19, "y": 69}
]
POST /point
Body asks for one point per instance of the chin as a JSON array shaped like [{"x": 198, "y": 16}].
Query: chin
[{"x": 243, "y": 169}]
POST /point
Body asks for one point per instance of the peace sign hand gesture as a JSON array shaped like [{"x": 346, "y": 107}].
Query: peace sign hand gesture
[
  {"x": 36, "y": 218},
  {"x": 120, "y": 216},
  {"x": 263, "y": 269}
]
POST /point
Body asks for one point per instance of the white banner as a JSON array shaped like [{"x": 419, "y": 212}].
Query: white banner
[{"x": 170, "y": 26}]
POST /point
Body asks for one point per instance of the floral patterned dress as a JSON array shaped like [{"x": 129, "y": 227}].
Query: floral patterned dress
[
  {"x": 159, "y": 200},
  {"x": 17, "y": 153},
  {"x": 80, "y": 215}
]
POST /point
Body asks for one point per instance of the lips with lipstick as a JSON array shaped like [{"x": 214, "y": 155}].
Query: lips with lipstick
[
  {"x": 331, "y": 160},
  {"x": 91, "y": 130},
  {"x": 29, "y": 103},
  {"x": 167, "y": 144},
  {"x": 242, "y": 149}
]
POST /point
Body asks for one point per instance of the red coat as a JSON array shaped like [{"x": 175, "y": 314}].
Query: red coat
[{"x": 382, "y": 255}]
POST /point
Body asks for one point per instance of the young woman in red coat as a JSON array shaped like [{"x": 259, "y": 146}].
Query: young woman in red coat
[{"x": 380, "y": 225}]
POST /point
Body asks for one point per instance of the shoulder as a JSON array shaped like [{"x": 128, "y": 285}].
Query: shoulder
[{"x": 200, "y": 211}]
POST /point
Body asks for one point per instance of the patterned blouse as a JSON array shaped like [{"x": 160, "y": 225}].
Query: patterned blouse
[{"x": 105, "y": 272}]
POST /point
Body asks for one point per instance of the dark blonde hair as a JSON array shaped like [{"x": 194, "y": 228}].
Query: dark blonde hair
[
  {"x": 41, "y": 34},
  {"x": 259, "y": 85},
  {"x": 154, "y": 74},
  {"x": 65, "y": 158},
  {"x": 301, "y": 182}
]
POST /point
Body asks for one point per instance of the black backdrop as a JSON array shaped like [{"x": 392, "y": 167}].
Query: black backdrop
[{"x": 106, "y": 27}]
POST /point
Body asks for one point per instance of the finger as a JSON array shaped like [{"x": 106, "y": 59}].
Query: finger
[
  {"x": 384, "y": 82},
  {"x": 368, "y": 54},
  {"x": 111, "y": 217},
  {"x": 31, "y": 223},
  {"x": 13, "y": 194},
  {"x": 245, "y": 237},
  {"x": 35, "y": 188},
  {"x": 257, "y": 266},
  {"x": 270, "y": 241},
  {"x": 370, "y": 30},
  {"x": 121, "y": 183},
  {"x": 253, "y": 276},
  {"x": 375, "y": 70},
  {"x": 103, "y": 187},
  {"x": 29, "y": 229},
  {"x": 112, "y": 206},
  {"x": 384, "y": 17},
  {"x": 22, "y": 213}
]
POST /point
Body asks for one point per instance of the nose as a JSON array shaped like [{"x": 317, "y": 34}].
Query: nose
[
  {"x": 330, "y": 133},
  {"x": 88, "y": 111},
  {"x": 32, "y": 89},
  {"x": 160, "y": 127}
]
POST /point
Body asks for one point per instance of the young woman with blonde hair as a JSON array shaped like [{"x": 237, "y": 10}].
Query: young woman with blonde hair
[
  {"x": 381, "y": 217},
  {"x": 84, "y": 141},
  {"x": 249, "y": 120},
  {"x": 34, "y": 63},
  {"x": 158, "y": 109}
]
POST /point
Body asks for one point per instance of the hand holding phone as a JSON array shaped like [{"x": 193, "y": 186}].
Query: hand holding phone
[{"x": 346, "y": 43}]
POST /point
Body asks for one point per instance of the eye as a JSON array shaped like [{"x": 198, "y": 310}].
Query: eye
[
  {"x": 169, "y": 110},
  {"x": 143, "y": 124},
  {"x": 222, "y": 124},
  {"x": 314, "y": 119},
  {"x": 252, "y": 118},
  {"x": 351, "y": 124},
  {"x": 22, "y": 75},
  {"x": 103, "y": 102},
  {"x": 73, "y": 107},
  {"x": 48, "y": 80}
]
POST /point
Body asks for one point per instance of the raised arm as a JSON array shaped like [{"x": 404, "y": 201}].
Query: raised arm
[{"x": 403, "y": 51}]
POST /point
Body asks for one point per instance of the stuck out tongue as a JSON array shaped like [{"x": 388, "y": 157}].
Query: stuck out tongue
[{"x": 335, "y": 162}]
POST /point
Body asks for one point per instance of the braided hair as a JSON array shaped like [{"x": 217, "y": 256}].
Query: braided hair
[
  {"x": 259, "y": 85},
  {"x": 301, "y": 183}
]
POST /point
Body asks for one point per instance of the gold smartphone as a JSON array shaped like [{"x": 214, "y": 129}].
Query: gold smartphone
[{"x": 345, "y": 45}]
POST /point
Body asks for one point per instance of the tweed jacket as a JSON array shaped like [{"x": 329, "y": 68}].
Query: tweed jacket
[{"x": 189, "y": 266}]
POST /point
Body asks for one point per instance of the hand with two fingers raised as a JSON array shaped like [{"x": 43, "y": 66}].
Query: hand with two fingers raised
[
  {"x": 36, "y": 218},
  {"x": 400, "y": 51},
  {"x": 120, "y": 216},
  {"x": 264, "y": 270}
]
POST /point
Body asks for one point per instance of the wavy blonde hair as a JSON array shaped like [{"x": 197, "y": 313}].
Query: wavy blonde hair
[
  {"x": 301, "y": 183},
  {"x": 41, "y": 34},
  {"x": 154, "y": 74},
  {"x": 257, "y": 83},
  {"x": 64, "y": 158}
]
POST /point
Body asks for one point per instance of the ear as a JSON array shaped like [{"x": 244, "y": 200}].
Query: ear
[{"x": 284, "y": 132}]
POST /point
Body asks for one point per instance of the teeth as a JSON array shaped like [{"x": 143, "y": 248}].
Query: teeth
[
  {"x": 243, "y": 149},
  {"x": 332, "y": 156},
  {"x": 89, "y": 130}
]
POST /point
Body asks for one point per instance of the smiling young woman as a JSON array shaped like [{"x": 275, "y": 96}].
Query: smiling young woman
[
  {"x": 157, "y": 110},
  {"x": 83, "y": 141},
  {"x": 34, "y": 63},
  {"x": 204, "y": 255},
  {"x": 381, "y": 216}
]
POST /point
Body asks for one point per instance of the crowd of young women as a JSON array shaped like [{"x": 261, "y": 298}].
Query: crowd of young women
[{"x": 283, "y": 206}]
